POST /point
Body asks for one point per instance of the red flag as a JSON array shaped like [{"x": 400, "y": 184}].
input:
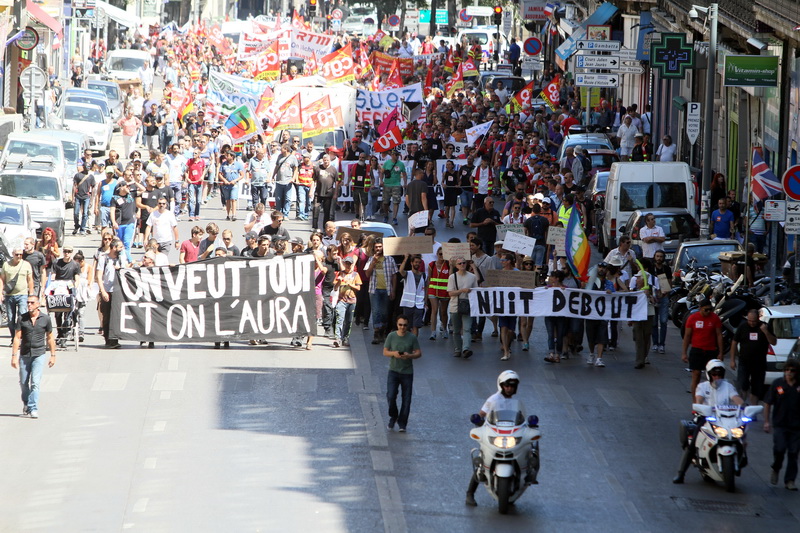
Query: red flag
[
  {"x": 311, "y": 66},
  {"x": 290, "y": 115},
  {"x": 311, "y": 123},
  {"x": 267, "y": 64},
  {"x": 523, "y": 96},
  {"x": 297, "y": 21},
  {"x": 363, "y": 64},
  {"x": 455, "y": 83},
  {"x": 394, "y": 81},
  {"x": 469, "y": 69},
  {"x": 449, "y": 64},
  {"x": 426, "y": 89},
  {"x": 338, "y": 66},
  {"x": 551, "y": 93},
  {"x": 389, "y": 140},
  {"x": 376, "y": 81},
  {"x": 264, "y": 102}
]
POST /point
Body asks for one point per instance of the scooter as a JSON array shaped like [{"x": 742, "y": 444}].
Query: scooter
[
  {"x": 720, "y": 442},
  {"x": 508, "y": 458}
]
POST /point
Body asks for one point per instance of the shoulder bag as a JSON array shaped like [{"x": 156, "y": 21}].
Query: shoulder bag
[{"x": 463, "y": 304}]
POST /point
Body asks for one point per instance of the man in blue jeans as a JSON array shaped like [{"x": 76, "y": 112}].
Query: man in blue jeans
[
  {"x": 380, "y": 270},
  {"x": 285, "y": 174},
  {"x": 33, "y": 337},
  {"x": 16, "y": 283},
  {"x": 402, "y": 347}
]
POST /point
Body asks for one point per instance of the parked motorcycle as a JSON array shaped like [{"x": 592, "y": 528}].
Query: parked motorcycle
[
  {"x": 720, "y": 442},
  {"x": 508, "y": 458},
  {"x": 702, "y": 286}
]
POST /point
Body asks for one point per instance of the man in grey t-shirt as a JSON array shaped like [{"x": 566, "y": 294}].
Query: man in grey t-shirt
[{"x": 285, "y": 175}]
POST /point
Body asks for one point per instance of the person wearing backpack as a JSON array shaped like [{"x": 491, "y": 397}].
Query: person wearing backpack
[
  {"x": 581, "y": 166},
  {"x": 536, "y": 226}
]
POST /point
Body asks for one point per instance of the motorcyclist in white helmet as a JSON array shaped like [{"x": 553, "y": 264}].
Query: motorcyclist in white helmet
[
  {"x": 502, "y": 400},
  {"x": 715, "y": 391}
]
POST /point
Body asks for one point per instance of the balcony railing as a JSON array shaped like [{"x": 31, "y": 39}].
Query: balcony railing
[{"x": 739, "y": 11}]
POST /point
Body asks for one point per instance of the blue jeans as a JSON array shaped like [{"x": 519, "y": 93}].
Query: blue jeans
[
  {"x": 105, "y": 216},
  {"x": 176, "y": 191},
  {"x": 538, "y": 254},
  {"x": 81, "y": 213},
  {"x": 30, "y": 376},
  {"x": 344, "y": 315},
  {"x": 379, "y": 302},
  {"x": 303, "y": 201},
  {"x": 462, "y": 331},
  {"x": 284, "y": 194},
  {"x": 16, "y": 306},
  {"x": 660, "y": 321},
  {"x": 556, "y": 329},
  {"x": 125, "y": 234},
  {"x": 393, "y": 383},
  {"x": 195, "y": 196},
  {"x": 259, "y": 194}
]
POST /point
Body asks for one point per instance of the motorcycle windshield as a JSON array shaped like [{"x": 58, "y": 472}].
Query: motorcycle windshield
[{"x": 512, "y": 416}]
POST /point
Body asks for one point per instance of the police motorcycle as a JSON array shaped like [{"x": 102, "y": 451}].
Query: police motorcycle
[
  {"x": 719, "y": 441},
  {"x": 508, "y": 458}
]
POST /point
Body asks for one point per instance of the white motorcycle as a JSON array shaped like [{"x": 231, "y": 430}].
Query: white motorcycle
[
  {"x": 508, "y": 458},
  {"x": 720, "y": 441}
]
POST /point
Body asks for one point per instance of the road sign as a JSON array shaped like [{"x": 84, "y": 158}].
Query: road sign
[
  {"x": 775, "y": 210},
  {"x": 532, "y": 46},
  {"x": 791, "y": 183},
  {"x": 596, "y": 80},
  {"x": 463, "y": 16},
  {"x": 692, "y": 121},
  {"x": 394, "y": 21},
  {"x": 480, "y": 11},
  {"x": 33, "y": 78},
  {"x": 608, "y": 62},
  {"x": 599, "y": 46},
  {"x": 628, "y": 69},
  {"x": 792, "y": 224},
  {"x": 336, "y": 24},
  {"x": 337, "y": 14}
]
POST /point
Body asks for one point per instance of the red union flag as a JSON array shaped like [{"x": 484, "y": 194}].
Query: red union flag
[
  {"x": 389, "y": 140},
  {"x": 551, "y": 94},
  {"x": 311, "y": 124},
  {"x": 523, "y": 96},
  {"x": 264, "y": 102},
  {"x": 267, "y": 64},
  {"x": 289, "y": 115},
  {"x": 455, "y": 83},
  {"x": 338, "y": 66},
  {"x": 394, "y": 81},
  {"x": 218, "y": 39},
  {"x": 469, "y": 69}
]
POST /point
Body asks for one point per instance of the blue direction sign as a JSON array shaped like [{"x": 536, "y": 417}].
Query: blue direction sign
[
  {"x": 532, "y": 46},
  {"x": 791, "y": 183}
]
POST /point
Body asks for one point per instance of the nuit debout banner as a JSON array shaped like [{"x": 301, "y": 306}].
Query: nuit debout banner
[{"x": 220, "y": 299}]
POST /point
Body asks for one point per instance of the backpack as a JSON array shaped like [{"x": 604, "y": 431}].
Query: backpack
[
  {"x": 536, "y": 226},
  {"x": 586, "y": 163}
]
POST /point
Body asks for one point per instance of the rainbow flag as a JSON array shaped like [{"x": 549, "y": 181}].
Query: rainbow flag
[
  {"x": 242, "y": 124},
  {"x": 577, "y": 247}
]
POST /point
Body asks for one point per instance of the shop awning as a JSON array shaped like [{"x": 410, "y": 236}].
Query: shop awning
[
  {"x": 36, "y": 11},
  {"x": 120, "y": 16},
  {"x": 603, "y": 14}
]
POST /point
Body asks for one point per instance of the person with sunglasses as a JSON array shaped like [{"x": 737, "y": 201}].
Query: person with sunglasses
[
  {"x": 16, "y": 283},
  {"x": 163, "y": 226},
  {"x": 402, "y": 347},
  {"x": 783, "y": 402},
  {"x": 30, "y": 341}
]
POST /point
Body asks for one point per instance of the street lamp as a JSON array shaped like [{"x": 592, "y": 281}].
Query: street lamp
[{"x": 710, "y": 13}]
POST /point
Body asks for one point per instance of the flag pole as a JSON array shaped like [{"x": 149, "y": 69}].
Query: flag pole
[{"x": 747, "y": 210}]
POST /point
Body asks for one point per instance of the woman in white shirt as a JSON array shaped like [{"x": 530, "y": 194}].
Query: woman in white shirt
[
  {"x": 459, "y": 285},
  {"x": 627, "y": 138}
]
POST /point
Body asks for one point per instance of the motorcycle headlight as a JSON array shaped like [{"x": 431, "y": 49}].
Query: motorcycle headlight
[
  {"x": 504, "y": 442},
  {"x": 737, "y": 433},
  {"x": 721, "y": 432}
]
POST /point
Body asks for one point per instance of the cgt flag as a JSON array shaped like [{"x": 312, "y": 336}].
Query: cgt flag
[
  {"x": 476, "y": 131},
  {"x": 289, "y": 115},
  {"x": 338, "y": 66},
  {"x": 763, "y": 184},
  {"x": 242, "y": 124},
  {"x": 388, "y": 141}
]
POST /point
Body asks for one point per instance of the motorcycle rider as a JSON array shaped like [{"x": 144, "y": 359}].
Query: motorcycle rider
[
  {"x": 715, "y": 391},
  {"x": 502, "y": 400}
]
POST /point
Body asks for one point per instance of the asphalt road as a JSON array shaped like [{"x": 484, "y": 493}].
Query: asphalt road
[{"x": 270, "y": 438}]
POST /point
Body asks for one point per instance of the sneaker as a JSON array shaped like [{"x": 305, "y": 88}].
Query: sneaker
[
  {"x": 403, "y": 430},
  {"x": 391, "y": 423},
  {"x": 456, "y": 354},
  {"x": 470, "y": 500},
  {"x": 444, "y": 334},
  {"x": 789, "y": 484},
  {"x": 433, "y": 336},
  {"x": 385, "y": 220},
  {"x": 599, "y": 362},
  {"x": 35, "y": 414},
  {"x": 365, "y": 327},
  {"x": 394, "y": 221},
  {"x": 590, "y": 359},
  {"x": 773, "y": 477},
  {"x": 612, "y": 348},
  {"x": 505, "y": 357},
  {"x": 335, "y": 344},
  {"x": 25, "y": 410},
  {"x": 346, "y": 342},
  {"x": 655, "y": 348},
  {"x": 465, "y": 221},
  {"x": 74, "y": 232},
  {"x": 661, "y": 349},
  {"x": 525, "y": 347},
  {"x": 467, "y": 354}
]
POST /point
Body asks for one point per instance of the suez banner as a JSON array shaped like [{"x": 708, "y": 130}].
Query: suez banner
[
  {"x": 574, "y": 303},
  {"x": 305, "y": 44},
  {"x": 372, "y": 105},
  {"x": 215, "y": 300}
]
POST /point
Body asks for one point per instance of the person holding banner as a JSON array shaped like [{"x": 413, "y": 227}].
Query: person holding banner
[
  {"x": 108, "y": 264},
  {"x": 556, "y": 325},
  {"x": 459, "y": 285}
]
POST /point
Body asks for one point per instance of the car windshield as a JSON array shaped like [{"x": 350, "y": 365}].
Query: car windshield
[
  {"x": 785, "y": 328},
  {"x": 361, "y": 11},
  {"x": 72, "y": 151},
  {"x": 88, "y": 100},
  {"x": 30, "y": 187},
  {"x": 706, "y": 255},
  {"x": 603, "y": 160},
  {"x": 483, "y": 38},
  {"x": 109, "y": 90},
  {"x": 32, "y": 149},
  {"x": 129, "y": 64},
  {"x": 10, "y": 213},
  {"x": 674, "y": 226},
  {"x": 514, "y": 416},
  {"x": 83, "y": 114},
  {"x": 601, "y": 181},
  {"x": 633, "y": 196}
]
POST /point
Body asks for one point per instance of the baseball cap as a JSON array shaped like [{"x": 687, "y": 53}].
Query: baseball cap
[
  {"x": 251, "y": 235},
  {"x": 547, "y": 200},
  {"x": 348, "y": 259},
  {"x": 538, "y": 196},
  {"x": 264, "y": 238},
  {"x": 499, "y": 243}
]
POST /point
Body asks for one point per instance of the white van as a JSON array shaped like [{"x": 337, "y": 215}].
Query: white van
[
  {"x": 36, "y": 144},
  {"x": 124, "y": 64},
  {"x": 485, "y": 36},
  {"x": 640, "y": 185}
]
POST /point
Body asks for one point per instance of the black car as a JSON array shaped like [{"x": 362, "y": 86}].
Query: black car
[{"x": 677, "y": 224}]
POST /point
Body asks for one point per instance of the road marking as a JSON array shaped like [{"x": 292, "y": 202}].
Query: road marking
[
  {"x": 161, "y": 425},
  {"x": 52, "y": 382},
  {"x": 173, "y": 363},
  {"x": 150, "y": 462},
  {"x": 110, "y": 382},
  {"x": 141, "y": 505},
  {"x": 615, "y": 484},
  {"x": 376, "y": 431},
  {"x": 633, "y": 513},
  {"x": 166, "y": 395},
  {"x": 381, "y": 460},
  {"x": 391, "y": 504},
  {"x": 169, "y": 380}
]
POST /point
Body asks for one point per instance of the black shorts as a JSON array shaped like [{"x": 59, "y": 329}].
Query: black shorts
[
  {"x": 509, "y": 322},
  {"x": 750, "y": 377},
  {"x": 698, "y": 358}
]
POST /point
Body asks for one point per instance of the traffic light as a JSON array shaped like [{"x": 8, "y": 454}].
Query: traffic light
[
  {"x": 498, "y": 15},
  {"x": 312, "y": 8}
]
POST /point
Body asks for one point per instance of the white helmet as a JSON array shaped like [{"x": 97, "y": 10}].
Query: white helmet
[
  {"x": 714, "y": 364},
  {"x": 506, "y": 375}
]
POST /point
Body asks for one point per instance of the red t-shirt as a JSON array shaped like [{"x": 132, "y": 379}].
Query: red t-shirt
[
  {"x": 704, "y": 330},
  {"x": 567, "y": 122},
  {"x": 196, "y": 169},
  {"x": 191, "y": 250}
]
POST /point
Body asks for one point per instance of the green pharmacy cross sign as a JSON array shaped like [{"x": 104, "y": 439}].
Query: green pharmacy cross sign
[{"x": 672, "y": 57}]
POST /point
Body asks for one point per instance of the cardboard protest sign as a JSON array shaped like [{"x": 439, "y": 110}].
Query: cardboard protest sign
[
  {"x": 455, "y": 249},
  {"x": 510, "y": 278},
  {"x": 407, "y": 245},
  {"x": 518, "y": 243}
]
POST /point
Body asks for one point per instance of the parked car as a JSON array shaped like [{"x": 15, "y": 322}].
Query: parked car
[
  {"x": 97, "y": 99},
  {"x": 33, "y": 180},
  {"x": 124, "y": 64},
  {"x": 387, "y": 229},
  {"x": 677, "y": 224},
  {"x": 601, "y": 159},
  {"x": 596, "y": 193},
  {"x": 704, "y": 252},
  {"x": 88, "y": 119},
  {"x": 587, "y": 141},
  {"x": 112, "y": 92},
  {"x": 784, "y": 323},
  {"x": 16, "y": 223}
]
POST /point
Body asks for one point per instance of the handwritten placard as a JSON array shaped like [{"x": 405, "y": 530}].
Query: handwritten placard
[
  {"x": 510, "y": 278},
  {"x": 504, "y": 229},
  {"x": 455, "y": 249},
  {"x": 664, "y": 284},
  {"x": 417, "y": 220},
  {"x": 557, "y": 237},
  {"x": 407, "y": 245},
  {"x": 519, "y": 243}
]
